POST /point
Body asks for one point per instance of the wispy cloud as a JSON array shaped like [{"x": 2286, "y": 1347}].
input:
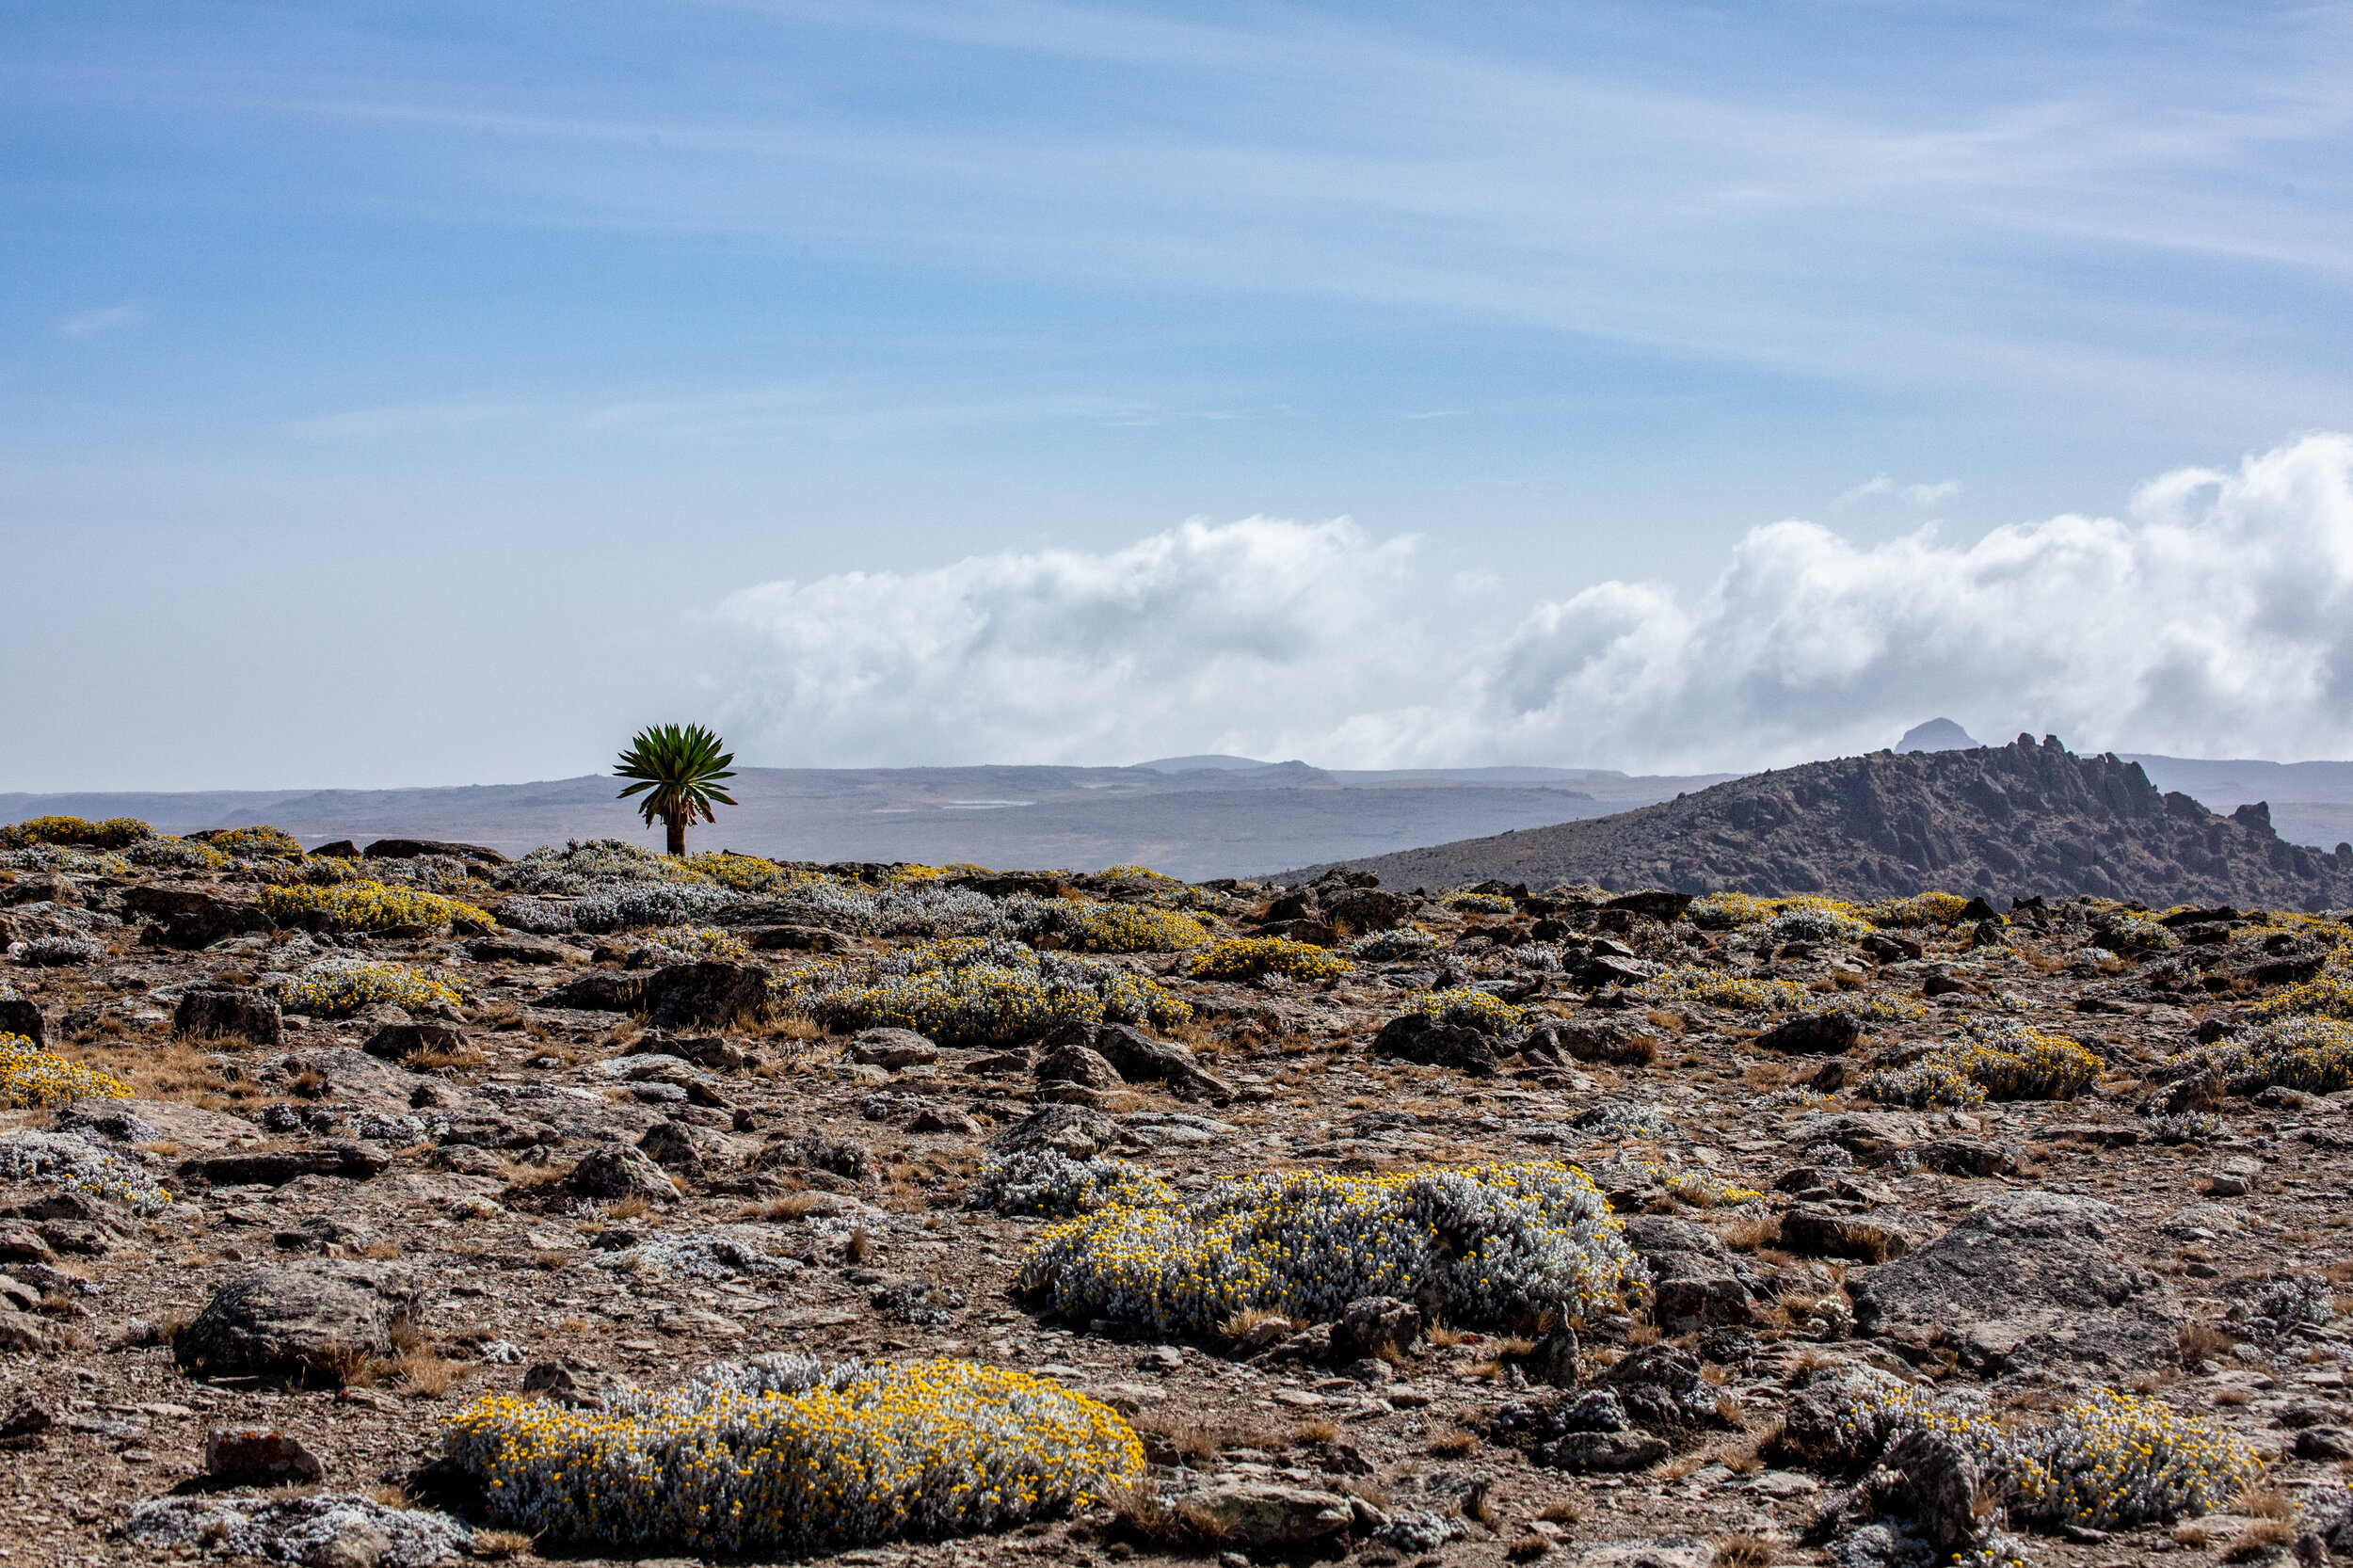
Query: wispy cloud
[
  {"x": 1915, "y": 495},
  {"x": 395, "y": 420},
  {"x": 105, "y": 318}
]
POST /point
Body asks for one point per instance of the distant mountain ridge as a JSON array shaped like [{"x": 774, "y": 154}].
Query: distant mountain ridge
[{"x": 2019, "y": 819}]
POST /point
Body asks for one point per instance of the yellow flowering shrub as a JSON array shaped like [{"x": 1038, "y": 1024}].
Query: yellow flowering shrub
[
  {"x": 1136, "y": 873},
  {"x": 2313, "y": 1054},
  {"x": 1697, "y": 983},
  {"x": 344, "y": 985},
  {"x": 785, "y": 1456},
  {"x": 112, "y": 833},
  {"x": 366, "y": 906},
  {"x": 1996, "y": 1060},
  {"x": 2116, "y": 1460},
  {"x": 257, "y": 843},
  {"x": 1471, "y": 1008},
  {"x": 746, "y": 874},
  {"x": 1728, "y": 911},
  {"x": 697, "y": 942},
  {"x": 1119, "y": 927},
  {"x": 1497, "y": 1244},
  {"x": 1248, "y": 958},
  {"x": 978, "y": 991},
  {"x": 1920, "y": 909},
  {"x": 31, "y": 1078},
  {"x": 164, "y": 851},
  {"x": 1479, "y": 904}
]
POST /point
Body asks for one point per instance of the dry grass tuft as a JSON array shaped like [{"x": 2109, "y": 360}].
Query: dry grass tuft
[
  {"x": 2260, "y": 1502},
  {"x": 1747, "y": 1550},
  {"x": 1455, "y": 1444},
  {"x": 503, "y": 1546},
  {"x": 2260, "y": 1538},
  {"x": 2204, "y": 1342}
]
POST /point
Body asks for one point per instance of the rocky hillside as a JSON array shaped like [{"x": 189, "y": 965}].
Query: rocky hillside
[{"x": 2015, "y": 820}]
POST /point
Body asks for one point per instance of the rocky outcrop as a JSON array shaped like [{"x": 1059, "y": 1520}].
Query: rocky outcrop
[
  {"x": 2024, "y": 818},
  {"x": 2031, "y": 1280}
]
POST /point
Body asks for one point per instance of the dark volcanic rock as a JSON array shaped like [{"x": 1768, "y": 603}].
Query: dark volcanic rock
[
  {"x": 298, "y": 1317},
  {"x": 1692, "y": 1277},
  {"x": 1833, "y": 1033},
  {"x": 709, "y": 992},
  {"x": 1431, "y": 1043},
  {"x": 2029, "y": 1280},
  {"x": 1138, "y": 1058},
  {"x": 2023, "y": 818}
]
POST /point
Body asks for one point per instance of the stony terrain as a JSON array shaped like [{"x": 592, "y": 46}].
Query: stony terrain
[
  {"x": 2026, "y": 818},
  {"x": 582, "y": 1160}
]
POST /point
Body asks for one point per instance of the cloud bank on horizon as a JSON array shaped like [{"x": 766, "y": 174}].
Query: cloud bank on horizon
[{"x": 2209, "y": 619}]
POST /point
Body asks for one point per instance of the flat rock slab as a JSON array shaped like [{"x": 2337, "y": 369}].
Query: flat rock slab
[{"x": 2029, "y": 1281}]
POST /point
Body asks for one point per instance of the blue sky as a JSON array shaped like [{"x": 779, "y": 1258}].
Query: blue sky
[{"x": 405, "y": 393}]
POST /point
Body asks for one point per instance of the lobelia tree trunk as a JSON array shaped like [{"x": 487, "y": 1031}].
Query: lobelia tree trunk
[{"x": 676, "y": 823}]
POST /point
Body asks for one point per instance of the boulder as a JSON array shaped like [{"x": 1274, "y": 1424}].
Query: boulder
[
  {"x": 1654, "y": 904},
  {"x": 616, "y": 1172},
  {"x": 258, "y": 1456},
  {"x": 193, "y": 916},
  {"x": 402, "y": 1042},
  {"x": 668, "y": 1146},
  {"x": 1872, "y": 1237},
  {"x": 600, "y": 991},
  {"x": 411, "y": 849},
  {"x": 711, "y": 993},
  {"x": 245, "y": 1015},
  {"x": 1078, "y": 1064},
  {"x": 343, "y": 1157},
  {"x": 1930, "y": 1478},
  {"x": 796, "y": 939},
  {"x": 517, "y": 947},
  {"x": 21, "y": 1016},
  {"x": 2030, "y": 1280},
  {"x": 1693, "y": 1279},
  {"x": 1831, "y": 1033},
  {"x": 1430, "y": 1041},
  {"x": 1596, "y": 1452},
  {"x": 1363, "y": 909},
  {"x": 1139, "y": 1058},
  {"x": 298, "y": 1318},
  {"x": 1073, "y": 1129},
  {"x": 894, "y": 1048},
  {"x": 1261, "y": 1514},
  {"x": 1372, "y": 1324}
]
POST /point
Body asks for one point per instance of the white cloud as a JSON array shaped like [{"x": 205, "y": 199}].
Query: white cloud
[
  {"x": 108, "y": 318},
  {"x": 2212, "y": 619},
  {"x": 1917, "y": 495}
]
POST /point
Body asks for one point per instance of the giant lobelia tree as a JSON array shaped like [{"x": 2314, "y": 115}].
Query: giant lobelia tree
[{"x": 678, "y": 769}]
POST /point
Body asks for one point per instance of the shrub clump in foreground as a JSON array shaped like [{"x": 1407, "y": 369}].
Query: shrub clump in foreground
[
  {"x": 75, "y": 832},
  {"x": 31, "y": 1078},
  {"x": 2110, "y": 1461},
  {"x": 257, "y": 843},
  {"x": 1117, "y": 927},
  {"x": 344, "y": 985},
  {"x": 2001, "y": 1060},
  {"x": 1510, "y": 1245},
  {"x": 1248, "y": 958},
  {"x": 1049, "y": 1182},
  {"x": 784, "y": 1454},
  {"x": 367, "y": 906},
  {"x": 75, "y": 1164},
  {"x": 2313, "y": 1054},
  {"x": 1471, "y": 1008},
  {"x": 975, "y": 991}
]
